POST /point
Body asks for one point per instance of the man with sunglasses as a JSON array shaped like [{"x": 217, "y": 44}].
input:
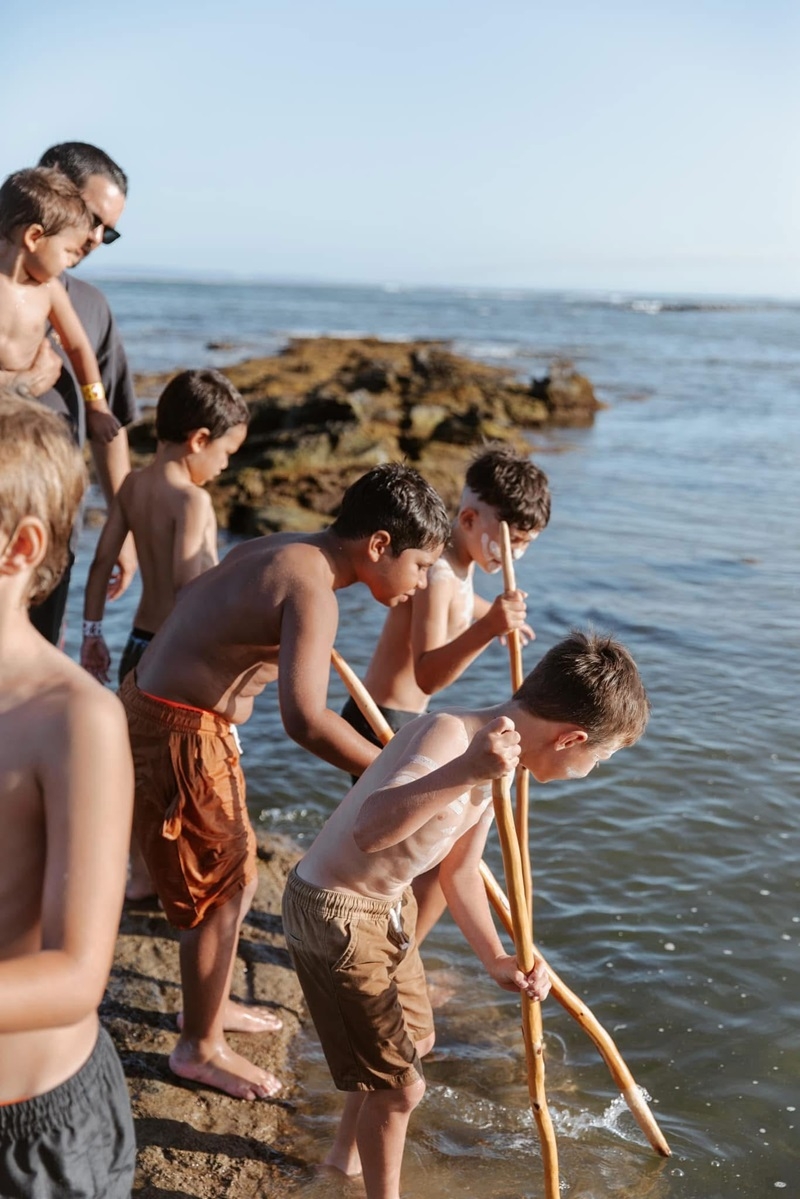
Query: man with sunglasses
[{"x": 104, "y": 187}]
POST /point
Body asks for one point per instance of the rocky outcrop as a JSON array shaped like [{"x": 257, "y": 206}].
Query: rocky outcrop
[{"x": 327, "y": 409}]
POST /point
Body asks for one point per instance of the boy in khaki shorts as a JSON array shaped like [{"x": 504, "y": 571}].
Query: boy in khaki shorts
[
  {"x": 65, "y": 1118},
  {"x": 349, "y": 910}
]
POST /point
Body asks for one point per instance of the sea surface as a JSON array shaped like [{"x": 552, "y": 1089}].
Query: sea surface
[{"x": 667, "y": 885}]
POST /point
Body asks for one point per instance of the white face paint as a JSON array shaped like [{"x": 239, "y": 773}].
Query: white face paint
[{"x": 492, "y": 557}]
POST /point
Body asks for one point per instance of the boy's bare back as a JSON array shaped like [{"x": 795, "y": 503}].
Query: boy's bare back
[
  {"x": 269, "y": 600},
  {"x": 64, "y": 757},
  {"x": 378, "y": 854},
  {"x": 167, "y": 513}
]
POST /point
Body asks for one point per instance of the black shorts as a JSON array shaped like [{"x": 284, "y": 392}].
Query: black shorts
[
  {"x": 394, "y": 717},
  {"x": 135, "y": 646},
  {"x": 74, "y": 1142}
]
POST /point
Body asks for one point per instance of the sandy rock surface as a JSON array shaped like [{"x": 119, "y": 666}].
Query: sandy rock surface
[{"x": 193, "y": 1141}]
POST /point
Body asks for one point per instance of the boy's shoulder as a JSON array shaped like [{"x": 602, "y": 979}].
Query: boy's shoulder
[
  {"x": 152, "y": 481},
  {"x": 56, "y": 699}
]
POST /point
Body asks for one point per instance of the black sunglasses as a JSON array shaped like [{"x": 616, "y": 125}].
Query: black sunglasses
[{"x": 110, "y": 235}]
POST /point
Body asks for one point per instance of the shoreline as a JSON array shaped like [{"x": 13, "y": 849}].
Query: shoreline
[{"x": 193, "y": 1141}]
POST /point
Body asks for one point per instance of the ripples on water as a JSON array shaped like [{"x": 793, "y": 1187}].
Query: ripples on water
[{"x": 667, "y": 883}]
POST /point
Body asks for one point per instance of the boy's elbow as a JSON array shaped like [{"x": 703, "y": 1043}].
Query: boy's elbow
[
  {"x": 424, "y": 679},
  {"x": 301, "y": 728}
]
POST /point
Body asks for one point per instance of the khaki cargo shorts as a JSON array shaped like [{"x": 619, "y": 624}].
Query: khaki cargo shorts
[{"x": 363, "y": 982}]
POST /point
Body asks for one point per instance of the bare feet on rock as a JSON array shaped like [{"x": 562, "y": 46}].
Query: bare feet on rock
[
  {"x": 224, "y": 1071},
  {"x": 238, "y": 1017}
]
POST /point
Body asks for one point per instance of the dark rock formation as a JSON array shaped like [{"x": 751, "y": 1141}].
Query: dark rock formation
[{"x": 324, "y": 410}]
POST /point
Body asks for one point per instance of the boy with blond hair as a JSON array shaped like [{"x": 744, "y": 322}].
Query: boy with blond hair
[
  {"x": 65, "y": 1120},
  {"x": 44, "y": 224},
  {"x": 349, "y": 911},
  {"x": 268, "y": 611},
  {"x": 201, "y": 420}
]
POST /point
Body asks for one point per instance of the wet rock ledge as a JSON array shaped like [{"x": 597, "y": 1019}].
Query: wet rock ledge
[{"x": 326, "y": 409}]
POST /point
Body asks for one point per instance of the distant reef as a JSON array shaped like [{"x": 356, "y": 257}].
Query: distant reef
[{"x": 326, "y": 409}]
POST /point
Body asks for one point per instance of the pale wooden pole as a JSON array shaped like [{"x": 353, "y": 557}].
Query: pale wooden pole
[
  {"x": 531, "y": 1009},
  {"x": 559, "y": 990},
  {"x": 521, "y": 810}
]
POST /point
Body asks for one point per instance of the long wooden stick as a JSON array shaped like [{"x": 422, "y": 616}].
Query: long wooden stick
[
  {"x": 531, "y": 1010},
  {"x": 521, "y": 811},
  {"x": 571, "y": 1003},
  {"x": 559, "y": 990}
]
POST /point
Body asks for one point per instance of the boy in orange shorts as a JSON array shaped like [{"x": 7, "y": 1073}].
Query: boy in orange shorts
[
  {"x": 65, "y": 1118},
  {"x": 267, "y": 611}
]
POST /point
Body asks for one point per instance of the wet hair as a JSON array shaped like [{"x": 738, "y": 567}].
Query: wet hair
[
  {"x": 396, "y": 499},
  {"x": 590, "y": 680},
  {"x": 202, "y": 399},
  {"x": 42, "y": 473},
  {"x": 41, "y": 196},
  {"x": 79, "y": 160},
  {"x": 513, "y": 486}
]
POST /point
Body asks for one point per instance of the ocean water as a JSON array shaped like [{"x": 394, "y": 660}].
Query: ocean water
[{"x": 668, "y": 883}]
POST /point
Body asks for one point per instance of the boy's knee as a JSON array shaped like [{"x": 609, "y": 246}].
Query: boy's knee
[{"x": 398, "y": 1099}]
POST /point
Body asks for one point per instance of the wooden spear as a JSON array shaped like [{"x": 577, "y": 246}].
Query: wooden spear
[
  {"x": 531, "y": 1009},
  {"x": 559, "y": 990},
  {"x": 522, "y": 779}
]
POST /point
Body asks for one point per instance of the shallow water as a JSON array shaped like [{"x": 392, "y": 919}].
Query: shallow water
[{"x": 667, "y": 891}]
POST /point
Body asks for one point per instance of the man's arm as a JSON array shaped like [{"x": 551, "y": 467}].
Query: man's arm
[
  {"x": 84, "y": 763},
  {"x": 439, "y": 662},
  {"x": 308, "y": 630},
  {"x": 112, "y": 462},
  {"x": 461, "y": 882},
  {"x": 94, "y": 652},
  {"x": 391, "y": 814}
]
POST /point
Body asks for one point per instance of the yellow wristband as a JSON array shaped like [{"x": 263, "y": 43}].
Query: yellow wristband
[{"x": 94, "y": 393}]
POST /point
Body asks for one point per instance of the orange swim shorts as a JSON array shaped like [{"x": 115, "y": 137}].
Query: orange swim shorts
[{"x": 190, "y": 818}]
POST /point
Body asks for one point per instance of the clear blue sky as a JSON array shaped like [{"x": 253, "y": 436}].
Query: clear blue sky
[{"x": 639, "y": 146}]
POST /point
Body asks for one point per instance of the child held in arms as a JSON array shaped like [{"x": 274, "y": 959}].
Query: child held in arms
[
  {"x": 44, "y": 224},
  {"x": 349, "y": 910},
  {"x": 65, "y": 1118}
]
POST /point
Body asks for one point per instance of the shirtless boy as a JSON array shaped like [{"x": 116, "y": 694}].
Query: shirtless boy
[
  {"x": 349, "y": 909},
  {"x": 44, "y": 224},
  {"x": 426, "y": 645},
  {"x": 200, "y": 421},
  {"x": 65, "y": 1119},
  {"x": 267, "y": 611}
]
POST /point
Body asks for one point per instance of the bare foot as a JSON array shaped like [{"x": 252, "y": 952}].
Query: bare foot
[
  {"x": 327, "y": 1169},
  {"x": 225, "y": 1071},
  {"x": 238, "y": 1017}
]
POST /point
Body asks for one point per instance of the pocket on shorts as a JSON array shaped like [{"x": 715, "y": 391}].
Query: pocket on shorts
[{"x": 340, "y": 941}]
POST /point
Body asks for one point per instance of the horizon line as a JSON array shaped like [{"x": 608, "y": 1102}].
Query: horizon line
[{"x": 216, "y": 276}]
